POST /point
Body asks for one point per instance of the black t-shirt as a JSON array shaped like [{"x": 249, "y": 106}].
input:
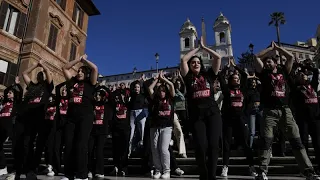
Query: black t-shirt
[
  {"x": 37, "y": 95},
  {"x": 162, "y": 113},
  {"x": 200, "y": 93},
  {"x": 137, "y": 101},
  {"x": 305, "y": 99},
  {"x": 274, "y": 88},
  {"x": 102, "y": 115},
  {"x": 81, "y": 97},
  {"x": 51, "y": 112}
]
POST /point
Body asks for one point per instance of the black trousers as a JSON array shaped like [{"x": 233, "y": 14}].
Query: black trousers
[
  {"x": 76, "y": 140},
  {"x": 120, "y": 145},
  {"x": 311, "y": 127},
  {"x": 6, "y": 130},
  {"x": 59, "y": 137},
  {"x": 44, "y": 142},
  {"x": 147, "y": 163},
  {"x": 239, "y": 126},
  {"x": 207, "y": 125},
  {"x": 173, "y": 160},
  {"x": 96, "y": 156}
]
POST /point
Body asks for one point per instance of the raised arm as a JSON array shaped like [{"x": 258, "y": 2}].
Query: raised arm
[
  {"x": 216, "y": 63},
  {"x": 171, "y": 86},
  {"x": 287, "y": 54},
  {"x": 46, "y": 71},
  {"x": 26, "y": 73},
  {"x": 258, "y": 62},
  {"x": 152, "y": 85},
  {"x": 184, "y": 61},
  {"x": 93, "y": 67},
  {"x": 66, "y": 69}
]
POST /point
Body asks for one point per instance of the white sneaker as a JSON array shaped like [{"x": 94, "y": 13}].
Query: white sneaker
[
  {"x": 179, "y": 172},
  {"x": 11, "y": 176},
  {"x": 224, "y": 172},
  {"x": 261, "y": 176},
  {"x": 50, "y": 171},
  {"x": 165, "y": 175},
  {"x": 3, "y": 171},
  {"x": 99, "y": 176},
  {"x": 252, "y": 171},
  {"x": 157, "y": 175},
  {"x": 64, "y": 178},
  {"x": 90, "y": 175}
]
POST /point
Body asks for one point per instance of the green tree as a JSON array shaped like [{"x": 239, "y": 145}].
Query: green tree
[
  {"x": 245, "y": 59},
  {"x": 277, "y": 19}
]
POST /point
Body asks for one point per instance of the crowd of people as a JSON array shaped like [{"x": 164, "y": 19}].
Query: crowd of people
[{"x": 72, "y": 121}]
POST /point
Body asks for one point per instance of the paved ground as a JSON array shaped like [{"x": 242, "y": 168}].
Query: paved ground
[{"x": 181, "y": 178}]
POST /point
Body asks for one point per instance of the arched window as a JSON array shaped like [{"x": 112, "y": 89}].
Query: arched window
[
  {"x": 222, "y": 37},
  {"x": 186, "y": 42}
]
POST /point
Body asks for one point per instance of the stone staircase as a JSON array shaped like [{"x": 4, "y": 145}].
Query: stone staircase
[{"x": 278, "y": 165}]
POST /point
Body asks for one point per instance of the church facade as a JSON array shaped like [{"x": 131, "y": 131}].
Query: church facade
[
  {"x": 188, "y": 40},
  {"x": 222, "y": 33}
]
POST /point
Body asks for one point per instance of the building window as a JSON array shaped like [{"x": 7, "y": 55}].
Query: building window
[
  {"x": 186, "y": 42},
  {"x": 53, "y": 34},
  {"x": 8, "y": 72},
  {"x": 73, "y": 52},
  {"x": 222, "y": 37},
  {"x": 12, "y": 20},
  {"x": 61, "y": 3},
  {"x": 77, "y": 15}
]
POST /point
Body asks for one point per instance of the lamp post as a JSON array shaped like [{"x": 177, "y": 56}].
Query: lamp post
[
  {"x": 251, "y": 51},
  {"x": 157, "y": 61}
]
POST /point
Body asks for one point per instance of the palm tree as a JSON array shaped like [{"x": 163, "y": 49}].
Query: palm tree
[{"x": 277, "y": 19}]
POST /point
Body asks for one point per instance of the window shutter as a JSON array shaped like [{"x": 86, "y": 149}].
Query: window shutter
[
  {"x": 21, "y": 25},
  {"x": 52, "y": 37},
  {"x": 74, "y": 16},
  {"x": 80, "y": 24},
  {"x": 63, "y": 4},
  {"x": 3, "y": 13}
]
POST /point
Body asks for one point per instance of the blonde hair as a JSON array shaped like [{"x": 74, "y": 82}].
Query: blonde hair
[{"x": 63, "y": 88}]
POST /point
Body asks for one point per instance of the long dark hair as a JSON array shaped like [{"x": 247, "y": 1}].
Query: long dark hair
[
  {"x": 86, "y": 71},
  {"x": 202, "y": 68}
]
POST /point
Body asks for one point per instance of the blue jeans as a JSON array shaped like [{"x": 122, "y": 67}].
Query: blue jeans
[{"x": 256, "y": 114}]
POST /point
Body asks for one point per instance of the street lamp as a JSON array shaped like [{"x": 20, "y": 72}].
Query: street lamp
[
  {"x": 251, "y": 48},
  {"x": 157, "y": 60},
  {"x": 251, "y": 51}
]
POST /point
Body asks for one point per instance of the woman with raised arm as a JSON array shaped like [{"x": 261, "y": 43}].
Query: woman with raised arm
[
  {"x": 35, "y": 101},
  {"x": 204, "y": 113},
  {"x": 161, "y": 125},
  {"x": 12, "y": 99},
  {"x": 80, "y": 117}
]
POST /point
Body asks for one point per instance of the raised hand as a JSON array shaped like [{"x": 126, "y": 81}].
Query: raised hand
[
  {"x": 201, "y": 42},
  {"x": 84, "y": 57},
  {"x": 40, "y": 63},
  {"x": 161, "y": 75},
  {"x": 17, "y": 80}
]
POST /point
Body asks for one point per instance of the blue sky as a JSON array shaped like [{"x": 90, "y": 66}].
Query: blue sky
[{"x": 128, "y": 33}]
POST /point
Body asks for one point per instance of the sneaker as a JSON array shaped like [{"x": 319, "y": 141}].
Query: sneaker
[
  {"x": 183, "y": 155},
  {"x": 261, "y": 176},
  {"x": 115, "y": 171},
  {"x": 50, "y": 171},
  {"x": 99, "y": 176},
  {"x": 90, "y": 175},
  {"x": 123, "y": 173},
  {"x": 13, "y": 176},
  {"x": 3, "y": 171},
  {"x": 224, "y": 172},
  {"x": 252, "y": 171},
  {"x": 156, "y": 175},
  {"x": 312, "y": 176},
  {"x": 165, "y": 175},
  {"x": 64, "y": 178},
  {"x": 179, "y": 172}
]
